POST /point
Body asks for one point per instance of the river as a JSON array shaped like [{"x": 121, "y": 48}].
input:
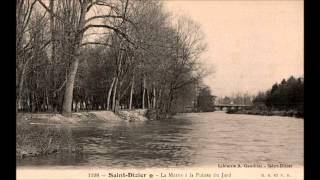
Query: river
[{"x": 192, "y": 139}]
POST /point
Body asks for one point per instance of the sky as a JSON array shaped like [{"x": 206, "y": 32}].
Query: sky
[{"x": 251, "y": 44}]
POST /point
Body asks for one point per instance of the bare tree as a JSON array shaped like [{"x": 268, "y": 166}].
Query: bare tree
[{"x": 75, "y": 19}]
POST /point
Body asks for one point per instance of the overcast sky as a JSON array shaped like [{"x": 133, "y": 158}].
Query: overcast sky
[{"x": 251, "y": 44}]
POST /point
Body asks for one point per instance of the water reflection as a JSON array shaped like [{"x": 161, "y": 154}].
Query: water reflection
[
  {"x": 191, "y": 139},
  {"x": 139, "y": 143}
]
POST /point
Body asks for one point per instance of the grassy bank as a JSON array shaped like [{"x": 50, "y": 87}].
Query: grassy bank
[
  {"x": 133, "y": 115},
  {"x": 289, "y": 113},
  {"x": 35, "y": 140}
]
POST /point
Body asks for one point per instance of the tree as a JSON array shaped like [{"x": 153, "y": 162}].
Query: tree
[
  {"x": 24, "y": 9},
  {"x": 74, "y": 19},
  {"x": 288, "y": 95},
  {"x": 205, "y": 100},
  {"x": 127, "y": 55}
]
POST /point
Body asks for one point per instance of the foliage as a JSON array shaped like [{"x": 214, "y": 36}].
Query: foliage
[
  {"x": 244, "y": 99},
  {"x": 288, "y": 95},
  {"x": 93, "y": 55},
  {"x": 205, "y": 100}
]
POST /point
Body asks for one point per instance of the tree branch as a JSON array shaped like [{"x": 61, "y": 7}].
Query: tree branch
[
  {"x": 62, "y": 85},
  {"x": 100, "y": 3},
  {"x": 51, "y": 11},
  {"x": 26, "y": 19},
  {"x": 100, "y": 43},
  {"x": 116, "y": 30},
  {"x": 102, "y": 17}
]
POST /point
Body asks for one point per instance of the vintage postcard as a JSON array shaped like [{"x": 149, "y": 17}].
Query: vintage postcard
[{"x": 159, "y": 89}]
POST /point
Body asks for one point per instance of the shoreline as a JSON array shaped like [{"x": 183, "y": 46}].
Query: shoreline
[
  {"x": 80, "y": 117},
  {"x": 39, "y": 134},
  {"x": 286, "y": 113}
]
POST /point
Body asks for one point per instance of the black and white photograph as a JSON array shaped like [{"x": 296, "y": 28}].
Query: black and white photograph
[{"x": 174, "y": 84}]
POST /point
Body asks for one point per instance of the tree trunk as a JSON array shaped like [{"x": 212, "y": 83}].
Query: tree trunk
[
  {"x": 159, "y": 102},
  {"x": 119, "y": 91},
  {"x": 52, "y": 95},
  {"x": 76, "y": 107},
  {"x": 169, "y": 103},
  {"x": 131, "y": 92},
  {"x": 117, "y": 80},
  {"x": 143, "y": 91},
  {"x": 47, "y": 104},
  {"x": 20, "y": 87},
  {"x": 68, "y": 95},
  {"x": 109, "y": 93},
  {"x": 18, "y": 100},
  {"x": 148, "y": 99},
  {"x": 114, "y": 94},
  {"x": 154, "y": 97}
]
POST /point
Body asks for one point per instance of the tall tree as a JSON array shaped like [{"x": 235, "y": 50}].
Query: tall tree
[{"x": 77, "y": 24}]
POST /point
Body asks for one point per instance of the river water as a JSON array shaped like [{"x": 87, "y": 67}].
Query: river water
[{"x": 193, "y": 139}]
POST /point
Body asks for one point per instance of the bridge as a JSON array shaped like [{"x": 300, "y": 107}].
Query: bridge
[{"x": 232, "y": 106}]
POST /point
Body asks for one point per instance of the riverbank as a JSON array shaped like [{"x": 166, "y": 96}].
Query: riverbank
[
  {"x": 33, "y": 140},
  {"x": 46, "y": 133},
  {"x": 175, "y": 142},
  {"x": 79, "y": 117},
  {"x": 288, "y": 113}
]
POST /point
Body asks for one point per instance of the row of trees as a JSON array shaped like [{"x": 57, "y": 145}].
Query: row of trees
[
  {"x": 196, "y": 97},
  {"x": 288, "y": 95},
  {"x": 104, "y": 54},
  {"x": 244, "y": 99}
]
